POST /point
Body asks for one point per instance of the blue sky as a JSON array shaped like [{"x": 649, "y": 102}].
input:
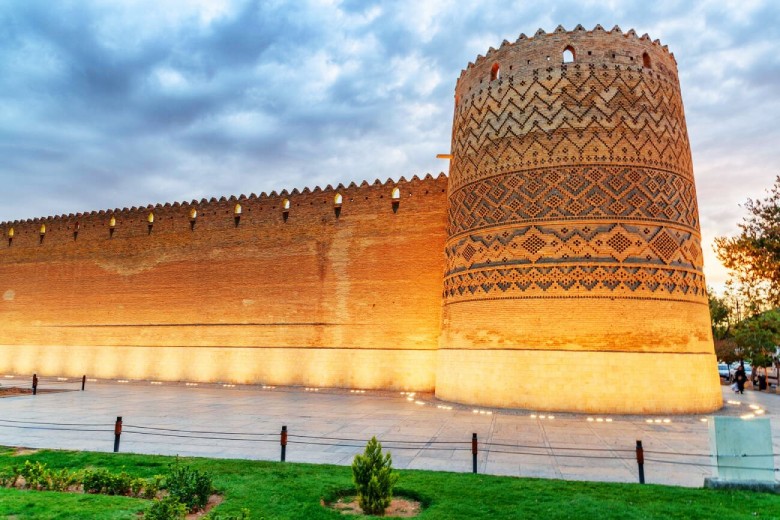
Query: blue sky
[{"x": 112, "y": 103}]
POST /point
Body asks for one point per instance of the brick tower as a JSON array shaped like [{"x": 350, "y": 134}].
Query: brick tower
[{"x": 574, "y": 266}]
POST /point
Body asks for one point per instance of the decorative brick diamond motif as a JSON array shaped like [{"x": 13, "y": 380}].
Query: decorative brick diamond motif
[
  {"x": 619, "y": 242},
  {"x": 664, "y": 245},
  {"x": 533, "y": 244}
]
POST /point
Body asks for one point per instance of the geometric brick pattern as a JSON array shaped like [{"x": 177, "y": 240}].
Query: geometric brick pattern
[
  {"x": 621, "y": 193},
  {"x": 604, "y": 259},
  {"x": 608, "y": 281},
  {"x": 570, "y": 114},
  {"x": 572, "y": 179}
]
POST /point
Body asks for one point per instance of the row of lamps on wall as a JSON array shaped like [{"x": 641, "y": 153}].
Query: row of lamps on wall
[{"x": 193, "y": 216}]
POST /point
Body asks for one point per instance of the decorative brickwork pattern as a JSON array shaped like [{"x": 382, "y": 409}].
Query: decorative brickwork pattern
[
  {"x": 573, "y": 256},
  {"x": 570, "y": 114},
  {"x": 596, "y": 156},
  {"x": 601, "y": 192}
]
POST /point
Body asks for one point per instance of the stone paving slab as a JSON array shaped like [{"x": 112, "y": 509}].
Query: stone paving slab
[{"x": 331, "y": 426}]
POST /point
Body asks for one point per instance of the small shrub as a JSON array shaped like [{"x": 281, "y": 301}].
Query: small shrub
[
  {"x": 96, "y": 480},
  {"x": 168, "y": 508},
  {"x": 120, "y": 484},
  {"x": 104, "y": 482},
  {"x": 136, "y": 485},
  {"x": 7, "y": 480},
  {"x": 35, "y": 475},
  {"x": 63, "y": 479},
  {"x": 152, "y": 487},
  {"x": 374, "y": 478},
  {"x": 191, "y": 487}
]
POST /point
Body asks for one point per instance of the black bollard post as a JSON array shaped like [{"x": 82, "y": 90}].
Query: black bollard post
[
  {"x": 83, "y": 381},
  {"x": 284, "y": 443},
  {"x": 117, "y": 433},
  {"x": 640, "y": 461},
  {"x": 473, "y": 452},
  {"x": 35, "y": 384}
]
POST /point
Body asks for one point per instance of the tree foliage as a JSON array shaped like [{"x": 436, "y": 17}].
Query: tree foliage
[
  {"x": 374, "y": 478},
  {"x": 758, "y": 337},
  {"x": 719, "y": 315},
  {"x": 753, "y": 256},
  {"x": 726, "y": 350}
]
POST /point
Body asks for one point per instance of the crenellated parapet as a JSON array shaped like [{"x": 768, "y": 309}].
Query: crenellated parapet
[
  {"x": 283, "y": 207},
  {"x": 543, "y": 49}
]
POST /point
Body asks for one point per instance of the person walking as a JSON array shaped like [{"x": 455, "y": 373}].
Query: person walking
[
  {"x": 740, "y": 378},
  {"x": 761, "y": 378}
]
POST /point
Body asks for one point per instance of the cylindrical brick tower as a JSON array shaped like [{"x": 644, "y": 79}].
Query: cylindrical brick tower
[{"x": 574, "y": 265}]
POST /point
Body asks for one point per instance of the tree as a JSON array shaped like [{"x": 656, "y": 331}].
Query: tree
[
  {"x": 374, "y": 479},
  {"x": 726, "y": 350},
  {"x": 753, "y": 256},
  {"x": 758, "y": 337},
  {"x": 719, "y": 315}
]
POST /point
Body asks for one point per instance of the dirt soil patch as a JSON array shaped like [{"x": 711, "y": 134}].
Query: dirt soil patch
[
  {"x": 21, "y": 451},
  {"x": 400, "y": 507},
  {"x": 14, "y": 391},
  {"x": 214, "y": 501}
]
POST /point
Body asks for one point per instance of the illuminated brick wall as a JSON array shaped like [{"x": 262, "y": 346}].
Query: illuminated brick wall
[
  {"x": 558, "y": 268},
  {"x": 308, "y": 298},
  {"x": 574, "y": 266}
]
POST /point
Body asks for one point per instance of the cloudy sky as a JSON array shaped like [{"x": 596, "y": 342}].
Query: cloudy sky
[{"x": 113, "y": 103}]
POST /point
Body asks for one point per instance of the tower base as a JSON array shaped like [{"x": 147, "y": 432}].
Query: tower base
[{"x": 588, "y": 382}]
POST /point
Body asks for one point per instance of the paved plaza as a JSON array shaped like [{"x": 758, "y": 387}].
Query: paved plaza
[{"x": 330, "y": 426}]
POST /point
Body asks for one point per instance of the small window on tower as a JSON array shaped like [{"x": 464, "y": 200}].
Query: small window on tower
[
  {"x": 568, "y": 54},
  {"x": 495, "y": 72},
  {"x": 646, "y": 61}
]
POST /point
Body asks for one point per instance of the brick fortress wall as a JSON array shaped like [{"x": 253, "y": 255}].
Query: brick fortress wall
[
  {"x": 574, "y": 266},
  {"x": 307, "y": 298}
]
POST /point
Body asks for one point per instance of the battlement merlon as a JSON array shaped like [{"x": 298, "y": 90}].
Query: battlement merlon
[
  {"x": 350, "y": 191},
  {"x": 597, "y": 47}
]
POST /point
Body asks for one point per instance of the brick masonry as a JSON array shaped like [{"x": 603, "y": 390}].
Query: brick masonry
[
  {"x": 574, "y": 266},
  {"x": 560, "y": 261}
]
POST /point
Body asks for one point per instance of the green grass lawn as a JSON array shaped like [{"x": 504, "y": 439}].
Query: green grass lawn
[{"x": 293, "y": 491}]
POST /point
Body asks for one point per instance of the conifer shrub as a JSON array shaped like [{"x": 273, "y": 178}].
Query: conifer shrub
[
  {"x": 374, "y": 478},
  {"x": 189, "y": 486}
]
